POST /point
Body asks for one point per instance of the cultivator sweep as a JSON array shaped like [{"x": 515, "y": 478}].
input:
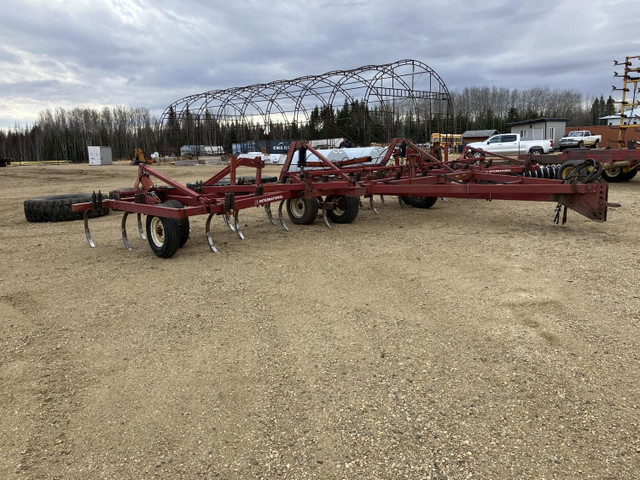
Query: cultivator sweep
[{"x": 310, "y": 186}]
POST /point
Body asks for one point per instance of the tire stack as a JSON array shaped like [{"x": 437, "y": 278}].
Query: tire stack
[{"x": 58, "y": 208}]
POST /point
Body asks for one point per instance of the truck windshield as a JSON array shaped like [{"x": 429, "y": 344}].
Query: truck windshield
[{"x": 575, "y": 134}]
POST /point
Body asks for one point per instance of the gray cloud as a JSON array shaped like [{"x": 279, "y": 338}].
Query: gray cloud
[{"x": 150, "y": 53}]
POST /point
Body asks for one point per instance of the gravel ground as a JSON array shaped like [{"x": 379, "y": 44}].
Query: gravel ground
[{"x": 472, "y": 340}]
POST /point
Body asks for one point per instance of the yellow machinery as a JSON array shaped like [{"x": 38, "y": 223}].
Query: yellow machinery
[{"x": 139, "y": 157}]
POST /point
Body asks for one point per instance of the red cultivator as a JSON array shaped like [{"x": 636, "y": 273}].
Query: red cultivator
[{"x": 310, "y": 185}]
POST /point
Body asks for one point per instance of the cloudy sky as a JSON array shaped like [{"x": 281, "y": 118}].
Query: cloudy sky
[{"x": 149, "y": 53}]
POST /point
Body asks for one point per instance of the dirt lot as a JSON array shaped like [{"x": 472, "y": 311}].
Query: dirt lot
[{"x": 472, "y": 340}]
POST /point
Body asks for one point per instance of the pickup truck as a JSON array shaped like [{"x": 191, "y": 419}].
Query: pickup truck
[
  {"x": 511, "y": 144},
  {"x": 579, "y": 139}
]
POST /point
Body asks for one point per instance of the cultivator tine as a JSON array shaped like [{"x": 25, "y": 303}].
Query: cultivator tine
[
  {"x": 382, "y": 200},
  {"x": 236, "y": 222},
  {"x": 324, "y": 217},
  {"x": 281, "y": 217},
  {"x": 123, "y": 229},
  {"x": 87, "y": 232},
  {"x": 267, "y": 209},
  {"x": 207, "y": 230},
  {"x": 372, "y": 203},
  {"x": 140, "y": 229},
  {"x": 360, "y": 204},
  {"x": 226, "y": 219},
  {"x": 401, "y": 202}
]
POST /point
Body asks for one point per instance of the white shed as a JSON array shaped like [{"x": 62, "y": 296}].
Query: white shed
[{"x": 100, "y": 156}]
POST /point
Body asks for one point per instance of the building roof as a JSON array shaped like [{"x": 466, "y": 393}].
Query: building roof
[
  {"x": 479, "y": 133},
  {"x": 617, "y": 116},
  {"x": 537, "y": 120}
]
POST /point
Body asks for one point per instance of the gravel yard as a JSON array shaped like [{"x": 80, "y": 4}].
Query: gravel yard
[{"x": 472, "y": 340}]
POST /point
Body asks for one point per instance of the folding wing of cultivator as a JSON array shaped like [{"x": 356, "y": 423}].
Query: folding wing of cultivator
[{"x": 310, "y": 185}]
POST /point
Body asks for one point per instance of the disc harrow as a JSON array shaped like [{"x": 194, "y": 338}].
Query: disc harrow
[{"x": 309, "y": 186}]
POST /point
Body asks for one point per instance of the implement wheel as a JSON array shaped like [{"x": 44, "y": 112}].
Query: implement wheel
[
  {"x": 630, "y": 174},
  {"x": 615, "y": 175},
  {"x": 345, "y": 210},
  {"x": 163, "y": 235},
  {"x": 419, "y": 202},
  {"x": 565, "y": 169},
  {"x": 585, "y": 171},
  {"x": 302, "y": 211},
  {"x": 183, "y": 223}
]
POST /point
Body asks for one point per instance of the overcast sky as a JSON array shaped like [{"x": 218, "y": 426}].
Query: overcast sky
[{"x": 144, "y": 53}]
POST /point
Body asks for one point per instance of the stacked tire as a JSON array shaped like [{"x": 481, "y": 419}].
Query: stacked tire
[{"x": 58, "y": 208}]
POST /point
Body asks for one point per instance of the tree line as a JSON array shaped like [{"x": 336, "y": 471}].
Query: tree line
[
  {"x": 480, "y": 108},
  {"x": 64, "y": 134}
]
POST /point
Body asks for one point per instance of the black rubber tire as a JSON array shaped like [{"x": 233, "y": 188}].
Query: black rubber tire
[
  {"x": 619, "y": 176},
  {"x": 630, "y": 174},
  {"x": 596, "y": 144},
  {"x": 419, "y": 202},
  {"x": 347, "y": 208},
  {"x": 183, "y": 223},
  {"x": 302, "y": 211},
  {"x": 585, "y": 171},
  {"x": 57, "y": 208},
  {"x": 406, "y": 199},
  {"x": 535, "y": 151},
  {"x": 580, "y": 144},
  {"x": 566, "y": 168},
  {"x": 163, "y": 235},
  {"x": 614, "y": 176}
]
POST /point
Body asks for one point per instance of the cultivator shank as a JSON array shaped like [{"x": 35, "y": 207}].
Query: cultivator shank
[{"x": 309, "y": 186}]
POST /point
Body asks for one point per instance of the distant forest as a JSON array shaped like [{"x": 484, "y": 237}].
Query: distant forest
[{"x": 64, "y": 134}]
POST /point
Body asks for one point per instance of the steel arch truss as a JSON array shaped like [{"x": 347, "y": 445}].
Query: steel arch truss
[{"x": 395, "y": 90}]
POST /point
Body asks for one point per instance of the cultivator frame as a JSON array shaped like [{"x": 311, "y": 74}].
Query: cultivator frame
[{"x": 315, "y": 185}]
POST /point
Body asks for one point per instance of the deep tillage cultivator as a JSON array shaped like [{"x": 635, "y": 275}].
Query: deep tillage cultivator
[{"x": 310, "y": 186}]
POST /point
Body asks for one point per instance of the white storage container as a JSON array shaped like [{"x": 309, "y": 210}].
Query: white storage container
[{"x": 100, "y": 156}]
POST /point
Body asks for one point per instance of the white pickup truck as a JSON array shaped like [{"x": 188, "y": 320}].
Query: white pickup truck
[
  {"x": 511, "y": 144},
  {"x": 580, "y": 139}
]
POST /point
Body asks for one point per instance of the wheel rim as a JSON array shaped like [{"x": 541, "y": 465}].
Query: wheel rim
[
  {"x": 157, "y": 231},
  {"x": 340, "y": 206},
  {"x": 566, "y": 172},
  {"x": 297, "y": 208},
  {"x": 613, "y": 172}
]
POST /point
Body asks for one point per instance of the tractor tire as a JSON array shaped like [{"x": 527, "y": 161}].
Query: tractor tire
[{"x": 57, "y": 208}]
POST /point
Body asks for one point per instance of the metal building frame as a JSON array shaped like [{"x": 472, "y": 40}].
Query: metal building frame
[{"x": 400, "y": 90}]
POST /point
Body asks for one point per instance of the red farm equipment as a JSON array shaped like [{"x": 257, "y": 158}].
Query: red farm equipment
[
  {"x": 618, "y": 164},
  {"x": 311, "y": 186}
]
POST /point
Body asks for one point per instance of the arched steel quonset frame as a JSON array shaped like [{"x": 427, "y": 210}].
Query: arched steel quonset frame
[{"x": 396, "y": 90}]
